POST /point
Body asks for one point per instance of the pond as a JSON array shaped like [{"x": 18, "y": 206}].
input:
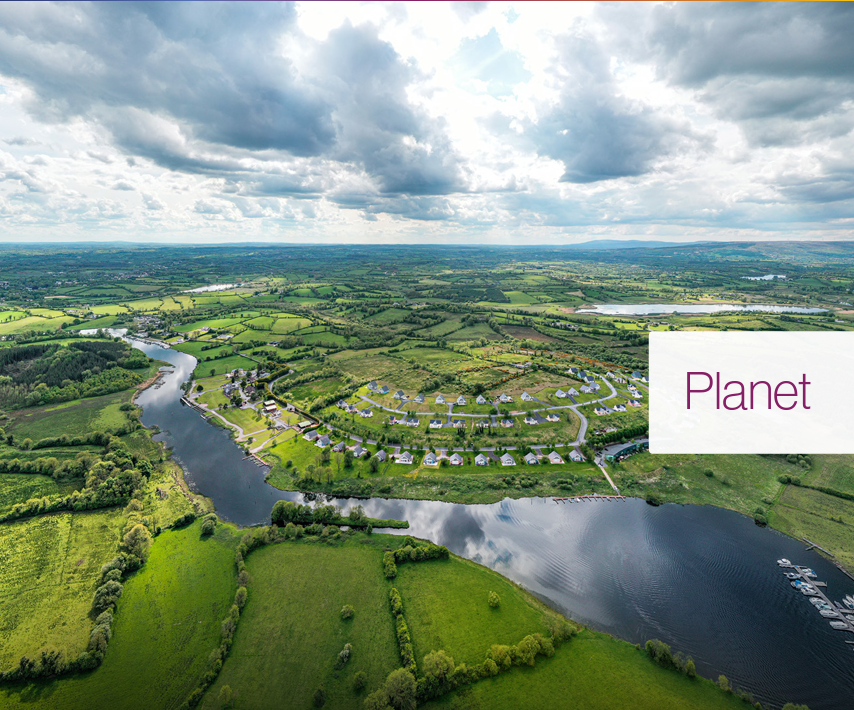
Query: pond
[
  {"x": 649, "y": 309},
  {"x": 702, "y": 579}
]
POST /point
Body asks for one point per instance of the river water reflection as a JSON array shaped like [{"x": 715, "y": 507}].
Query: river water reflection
[{"x": 702, "y": 579}]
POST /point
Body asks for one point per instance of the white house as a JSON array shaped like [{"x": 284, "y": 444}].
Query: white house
[
  {"x": 600, "y": 411},
  {"x": 383, "y": 390},
  {"x": 381, "y": 455},
  {"x": 481, "y": 460},
  {"x": 440, "y": 400},
  {"x": 619, "y": 407},
  {"x": 461, "y": 400},
  {"x": 419, "y": 398},
  {"x": 506, "y": 423},
  {"x": 552, "y": 418},
  {"x": 531, "y": 420},
  {"x": 526, "y": 397},
  {"x": 505, "y": 398},
  {"x": 531, "y": 459},
  {"x": 572, "y": 391},
  {"x": 435, "y": 423},
  {"x": 338, "y": 447},
  {"x": 481, "y": 399},
  {"x": 430, "y": 459},
  {"x": 405, "y": 457},
  {"x": 358, "y": 451},
  {"x": 576, "y": 455},
  {"x": 372, "y": 385},
  {"x": 555, "y": 457},
  {"x": 310, "y": 435},
  {"x": 508, "y": 460},
  {"x": 560, "y": 394},
  {"x": 456, "y": 460},
  {"x": 322, "y": 442},
  {"x": 458, "y": 423},
  {"x": 634, "y": 403},
  {"x": 585, "y": 389},
  {"x": 399, "y": 395},
  {"x": 412, "y": 422},
  {"x": 366, "y": 413}
]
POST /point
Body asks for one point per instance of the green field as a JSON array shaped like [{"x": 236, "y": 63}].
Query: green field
[
  {"x": 73, "y": 418},
  {"x": 16, "y": 488},
  {"x": 222, "y": 366},
  {"x": 168, "y": 621}
]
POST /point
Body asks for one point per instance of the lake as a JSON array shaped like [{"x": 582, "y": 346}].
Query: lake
[
  {"x": 703, "y": 579},
  {"x": 649, "y": 309},
  {"x": 212, "y": 287}
]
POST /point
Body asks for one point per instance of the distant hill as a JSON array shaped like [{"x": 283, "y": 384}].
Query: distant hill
[{"x": 601, "y": 244}]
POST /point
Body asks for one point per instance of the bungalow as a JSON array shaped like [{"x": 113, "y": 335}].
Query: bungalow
[
  {"x": 481, "y": 399},
  {"x": 372, "y": 385},
  {"x": 383, "y": 390},
  {"x": 481, "y": 460},
  {"x": 505, "y": 398},
  {"x": 508, "y": 460},
  {"x": 585, "y": 389},
  {"x": 637, "y": 395},
  {"x": 358, "y": 451},
  {"x": 338, "y": 447},
  {"x": 412, "y": 422},
  {"x": 352, "y": 409},
  {"x": 636, "y": 375},
  {"x": 399, "y": 395},
  {"x": 322, "y": 442},
  {"x": 645, "y": 379},
  {"x": 342, "y": 404},
  {"x": 572, "y": 392},
  {"x": 610, "y": 375},
  {"x": 381, "y": 456},
  {"x": 456, "y": 460},
  {"x": 435, "y": 423},
  {"x": 560, "y": 394},
  {"x": 506, "y": 423},
  {"x": 430, "y": 459},
  {"x": 619, "y": 380},
  {"x": 589, "y": 379},
  {"x": 366, "y": 413},
  {"x": 458, "y": 423},
  {"x": 526, "y": 397},
  {"x": 555, "y": 457},
  {"x": 483, "y": 424},
  {"x": 552, "y": 418},
  {"x": 531, "y": 459},
  {"x": 310, "y": 435},
  {"x": 619, "y": 407},
  {"x": 531, "y": 420},
  {"x": 419, "y": 398},
  {"x": 634, "y": 403},
  {"x": 461, "y": 401},
  {"x": 573, "y": 370},
  {"x": 404, "y": 457},
  {"x": 600, "y": 411},
  {"x": 595, "y": 386},
  {"x": 576, "y": 455},
  {"x": 440, "y": 400}
]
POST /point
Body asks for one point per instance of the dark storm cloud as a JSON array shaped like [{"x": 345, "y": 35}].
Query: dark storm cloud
[{"x": 597, "y": 133}]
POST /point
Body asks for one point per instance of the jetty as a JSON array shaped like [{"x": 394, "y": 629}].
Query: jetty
[
  {"x": 818, "y": 586},
  {"x": 587, "y": 497}
]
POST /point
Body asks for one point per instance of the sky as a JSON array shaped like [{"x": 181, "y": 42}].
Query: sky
[{"x": 457, "y": 123}]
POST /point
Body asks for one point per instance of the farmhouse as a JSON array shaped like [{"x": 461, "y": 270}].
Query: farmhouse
[
  {"x": 405, "y": 458},
  {"x": 456, "y": 460},
  {"x": 481, "y": 460},
  {"x": 508, "y": 460},
  {"x": 531, "y": 459},
  {"x": 555, "y": 458}
]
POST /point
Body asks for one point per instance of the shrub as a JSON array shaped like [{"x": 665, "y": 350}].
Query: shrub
[
  {"x": 360, "y": 680},
  {"x": 319, "y": 697},
  {"x": 208, "y": 526},
  {"x": 347, "y": 612},
  {"x": 438, "y": 665},
  {"x": 344, "y": 655},
  {"x": 240, "y": 597},
  {"x": 494, "y": 600}
]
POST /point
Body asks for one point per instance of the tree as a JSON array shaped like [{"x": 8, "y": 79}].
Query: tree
[
  {"x": 360, "y": 680},
  {"x": 226, "y": 696},
  {"x": 439, "y": 665},
  {"x": 347, "y": 612},
  {"x": 400, "y": 689},
  {"x": 723, "y": 683},
  {"x": 494, "y": 600},
  {"x": 319, "y": 697},
  {"x": 213, "y": 372},
  {"x": 690, "y": 668},
  {"x": 138, "y": 541},
  {"x": 209, "y": 524},
  {"x": 374, "y": 464}
]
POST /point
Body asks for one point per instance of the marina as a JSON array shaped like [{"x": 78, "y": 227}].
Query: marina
[{"x": 803, "y": 579}]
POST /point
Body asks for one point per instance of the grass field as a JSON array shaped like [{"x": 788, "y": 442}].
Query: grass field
[
  {"x": 223, "y": 365},
  {"x": 50, "y": 564},
  {"x": 73, "y": 418},
  {"x": 16, "y": 488},
  {"x": 168, "y": 621},
  {"x": 291, "y": 630}
]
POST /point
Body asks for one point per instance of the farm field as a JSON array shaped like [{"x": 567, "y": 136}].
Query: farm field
[{"x": 74, "y": 418}]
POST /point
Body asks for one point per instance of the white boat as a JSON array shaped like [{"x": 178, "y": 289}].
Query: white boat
[
  {"x": 829, "y": 614},
  {"x": 840, "y": 625},
  {"x": 807, "y": 572},
  {"x": 849, "y": 617},
  {"x": 792, "y": 575},
  {"x": 809, "y": 592},
  {"x": 783, "y": 562}
]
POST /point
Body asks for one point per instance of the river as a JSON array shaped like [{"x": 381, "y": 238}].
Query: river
[{"x": 703, "y": 579}]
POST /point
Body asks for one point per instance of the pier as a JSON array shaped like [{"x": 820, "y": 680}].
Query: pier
[{"x": 841, "y": 609}]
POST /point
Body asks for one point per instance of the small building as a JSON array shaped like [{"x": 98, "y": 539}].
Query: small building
[
  {"x": 270, "y": 403},
  {"x": 269, "y": 408},
  {"x": 531, "y": 420},
  {"x": 560, "y": 394},
  {"x": 372, "y": 385},
  {"x": 481, "y": 460},
  {"x": 435, "y": 423},
  {"x": 430, "y": 459},
  {"x": 505, "y": 398},
  {"x": 383, "y": 390},
  {"x": 399, "y": 395},
  {"x": 576, "y": 455},
  {"x": 440, "y": 399},
  {"x": 508, "y": 460},
  {"x": 405, "y": 457},
  {"x": 506, "y": 423},
  {"x": 619, "y": 407},
  {"x": 366, "y": 413},
  {"x": 338, "y": 447},
  {"x": 419, "y": 398},
  {"x": 381, "y": 456},
  {"x": 461, "y": 401},
  {"x": 526, "y": 397},
  {"x": 573, "y": 370},
  {"x": 585, "y": 389},
  {"x": 600, "y": 411},
  {"x": 634, "y": 403},
  {"x": 456, "y": 460},
  {"x": 636, "y": 375},
  {"x": 572, "y": 392},
  {"x": 555, "y": 458},
  {"x": 358, "y": 451},
  {"x": 311, "y": 435},
  {"x": 551, "y": 417},
  {"x": 322, "y": 442},
  {"x": 531, "y": 459},
  {"x": 458, "y": 423},
  {"x": 481, "y": 399},
  {"x": 412, "y": 422},
  {"x": 483, "y": 424},
  {"x": 342, "y": 404}
]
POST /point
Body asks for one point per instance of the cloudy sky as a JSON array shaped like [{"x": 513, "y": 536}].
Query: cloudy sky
[{"x": 426, "y": 122}]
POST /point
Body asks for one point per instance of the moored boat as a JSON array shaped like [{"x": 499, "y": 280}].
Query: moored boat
[
  {"x": 783, "y": 562},
  {"x": 839, "y": 625},
  {"x": 829, "y": 614}
]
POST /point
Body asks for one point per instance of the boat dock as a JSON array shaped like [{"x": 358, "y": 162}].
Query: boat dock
[
  {"x": 818, "y": 586},
  {"x": 256, "y": 459},
  {"x": 589, "y": 496}
]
